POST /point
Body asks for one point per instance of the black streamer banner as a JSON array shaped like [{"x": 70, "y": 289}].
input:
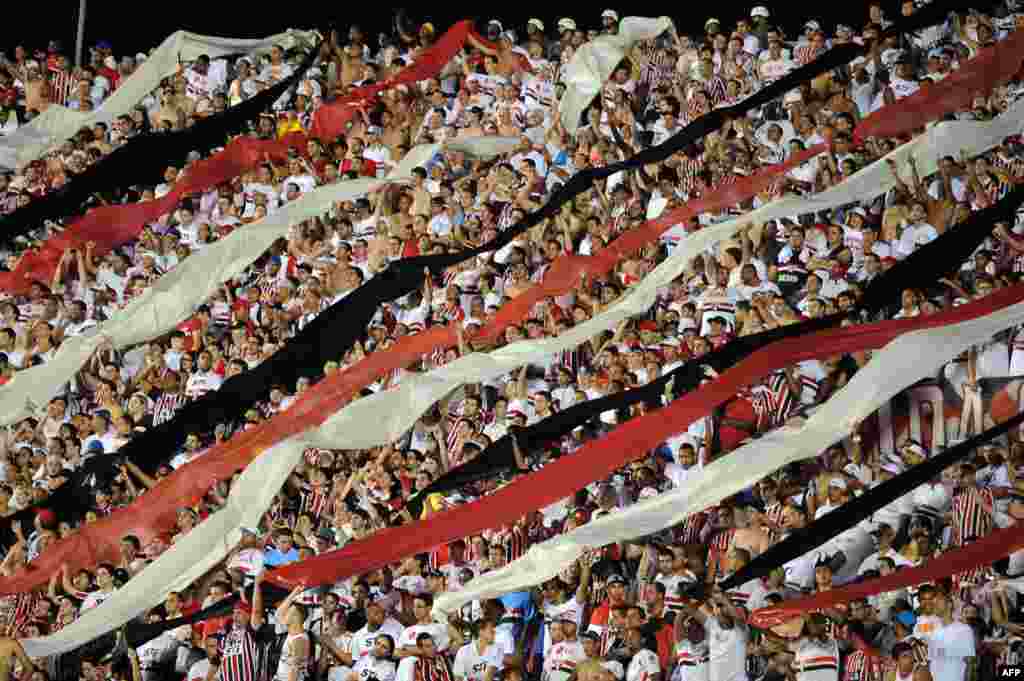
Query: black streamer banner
[
  {"x": 337, "y": 328},
  {"x": 144, "y": 158},
  {"x": 926, "y": 265},
  {"x": 859, "y": 508}
]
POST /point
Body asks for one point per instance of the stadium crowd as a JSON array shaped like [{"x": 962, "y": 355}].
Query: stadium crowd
[{"x": 618, "y": 614}]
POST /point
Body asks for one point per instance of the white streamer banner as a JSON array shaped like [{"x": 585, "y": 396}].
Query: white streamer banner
[
  {"x": 594, "y": 62},
  {"x": 383, "y": 417},
  {"x": 174, "y": 297},
  {"x": 58, "y": 123},
  {"x": 903, "y": 362}
]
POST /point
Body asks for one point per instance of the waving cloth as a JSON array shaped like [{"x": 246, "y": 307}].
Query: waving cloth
[
  {"x": 74, "y": 496},
  {"x": 360, "y": 425},
  {"x": 147, "y": 156},
  {"x": 595, "y": 61},
  {"x": 455, "y": 372},
  {"x": 331, "y": 119},
  {"x": 908, "y": 359},
  {"x": 859, "y": 509},
  {"x": 57, "y": 123},
  {"x": 315, "y": 343}
]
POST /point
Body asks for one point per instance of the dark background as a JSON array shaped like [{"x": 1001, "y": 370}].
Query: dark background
[{"x": 138, "y": 26}]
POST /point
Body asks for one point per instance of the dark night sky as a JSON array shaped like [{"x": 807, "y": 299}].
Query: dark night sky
[{"x": 132, "y": 27}]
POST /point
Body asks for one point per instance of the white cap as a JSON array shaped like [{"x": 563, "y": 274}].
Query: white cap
[
  {"x": 495, "y": 22},
  {"x": 566, "y": 24},
  {"x": 647, "y": 493},
  {"x": 838, "y": 483},
  {"x": 536, "y": 22},
  {"x": 813, "y": 25},
  {"x": 760, "y": 11},
  {"x": 711, "y": 21},
  {"x": 140, "y": 57},
  {"x": 610, "y": 14}
]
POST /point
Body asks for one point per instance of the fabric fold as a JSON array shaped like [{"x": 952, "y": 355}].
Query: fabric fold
[
  {"x": 857, "y": 510},
  {"x": 58, "y": 123},
  {"x": 144, "y": 157},
  {"x": 901, "y": 363}
]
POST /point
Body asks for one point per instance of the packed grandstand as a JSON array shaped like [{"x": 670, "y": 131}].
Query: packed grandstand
[{"x": 594, "y": 349}]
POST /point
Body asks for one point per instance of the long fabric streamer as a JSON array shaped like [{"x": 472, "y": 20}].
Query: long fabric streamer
[
  {"x": 901, "y": 363},
  {"x": 428, "y": 385},
  {"x": 110, "y": 226},
  {"x": 860, "y": 508},
  {"x": 59, "y": 123},
  {"x": 332, "y": 118},
  {"x": 985, "y": 551},
  {"x": 148, "y": 450}
]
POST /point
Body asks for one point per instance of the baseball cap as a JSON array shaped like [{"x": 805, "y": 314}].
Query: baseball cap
[
  {"x": 610, "y": 14},
  {"x": 813, "y": 25},
  {"x": 760, "y": 11},
  {"x": 907, "y": 619},
  {"x": 712, "y": 21},
  {"x": 536, "y": 23},
  {"x": 566, "y": 24},
  {"x": 616, "y": 579}
]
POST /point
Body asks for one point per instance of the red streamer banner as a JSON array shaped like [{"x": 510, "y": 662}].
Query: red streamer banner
[
  {"x": 600, "y": 458},
  {"x": 331, "y": 120},
  {"x": 990, "y": 67},
  {"x": 111, "y": 226},
  {"x": 155, "y": 512},
  {"x": 983, "y": 552}
]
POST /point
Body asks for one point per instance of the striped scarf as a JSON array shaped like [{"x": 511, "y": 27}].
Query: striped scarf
[
  {"x": 658, "y": 67},
  {"x": 62, "y": 83},
  {"x": 718, "y": 546},
  {"x": 15, "y": 612}
]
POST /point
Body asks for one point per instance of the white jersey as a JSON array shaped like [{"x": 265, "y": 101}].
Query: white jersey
[
  {"x": 561, "y": 660},
  {"x": 571, "y": 609},
  {"x": 816, "y": 660},
  {"x": 471, "y": 664},
  {"x": 362, "y": 640},
  {"x": 727, "y": 651},
  {"x": 375, "y": 667}
]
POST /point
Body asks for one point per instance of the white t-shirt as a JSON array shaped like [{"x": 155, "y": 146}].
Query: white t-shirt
[
  {"x": 437, "y": 631},
  {"x": 727, "y": 651},
  {"x": 948, "y": 650},
  {"x": 471, "y": 664},
  {"x": 383, "y": 670},
  {"x": 362, "y": 640}
]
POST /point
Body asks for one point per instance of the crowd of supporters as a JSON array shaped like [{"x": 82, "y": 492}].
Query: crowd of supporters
[{"x": 619, "y": 613}]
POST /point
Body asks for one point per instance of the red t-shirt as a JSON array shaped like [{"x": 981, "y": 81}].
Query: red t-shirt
[{"x": 188, "y": 328}]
